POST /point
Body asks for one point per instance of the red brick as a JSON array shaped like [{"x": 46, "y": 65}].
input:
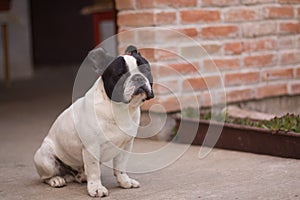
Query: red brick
[
  {"x": 298, "y": 72},
  {"x": 170, "y": 35},
  {"x": 212, "y": 48},
  {"x": 191, "y": 32},
  {"x": 175, "y": 3},
  {"x": 295, "y": 88},
  {"x": 218, "y": 97},
  {"x": 144, "y": 3},
  {"x": 125, "y": 36},
  {"x": 298, "y": 12},
  {"x": 290, "y": 58},
  {"x": 158, "y": 36},
  {"x": 148, "y": 53},
  {"x": 192, "y": 16},
  {"x": 165, "y": 54},
  {"x": 271, "y": 90},
  {"x": 239, "y": 95},
  {"x": 289, "y": 27},
  {"x": 145, "y": 36},
  {"x": 201, "y": 83},
  {"x": 167, "y": 87},
  {"x": 154, "y": 70},
  {"x": 206, "y": 99},
  {"x": 241, "y": 14},
  {"x": 233, "y": 48},
  {"x": 241, "y": 78},
  {"x": 259, "y": 60},
  {"x": 124, "y": 4},
  {"x": 277, "y": 74},
  {"x": 164, "y": 104},
  {"x": 289, "y": 1},
  {"x": 219, "y": 2},
  {"x": 136, "y": 19},
  {"x": 220, "y": 31},
  {"x": 188, "y": 101},
  {"x": 170, "y": 104},
  {"x": 287, "y": 42},
  {"x": 259, "y": 45},
  {"x": 251, "y": 2},
  {"x": 185, "y": 68},
  {"x": 227, "y": 63},
  {"x": 177, "y": 69},
  {"x": 209, "y": 98},
  {"x": 256, "y": 29},
  {"x": 121, "y": 49},
  {"x": 221, "y": 64},
  {"x": 279, "y": 12},
  {"x": 194, "y": 52},
  {"x": 165, "y": 18}
]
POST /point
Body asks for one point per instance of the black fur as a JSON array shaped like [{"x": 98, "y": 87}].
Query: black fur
[
  {"x": 114, "y": 78},
  {"x": 117, "y": 72}
]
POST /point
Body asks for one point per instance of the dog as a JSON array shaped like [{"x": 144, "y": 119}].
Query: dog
[{"x": 99, "y": 126}]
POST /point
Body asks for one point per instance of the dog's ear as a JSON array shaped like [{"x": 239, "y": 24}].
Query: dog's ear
[
  {"x": 132, "y": 50},
  {"x": 99, "y": 59}
]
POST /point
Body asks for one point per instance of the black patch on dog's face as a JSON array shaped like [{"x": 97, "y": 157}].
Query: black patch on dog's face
[
  {"x": 117, "y": 73},
  {"x": 114, "y": 78}
]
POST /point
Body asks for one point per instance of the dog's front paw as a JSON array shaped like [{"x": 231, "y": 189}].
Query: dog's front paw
[
  {"x": 56, "y": 181},
  {"x": 129, "y": 183},
  {"x": 97, "y": 190}
]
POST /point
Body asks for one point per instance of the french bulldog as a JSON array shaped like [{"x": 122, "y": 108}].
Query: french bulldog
[{"x": 98, "y": 127}]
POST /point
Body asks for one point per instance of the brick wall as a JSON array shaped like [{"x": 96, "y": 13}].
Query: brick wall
[{"x": 254, "y": 43}]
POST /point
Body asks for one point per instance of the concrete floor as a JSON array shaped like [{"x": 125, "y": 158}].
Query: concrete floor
[{"x": 28, "y": 109}]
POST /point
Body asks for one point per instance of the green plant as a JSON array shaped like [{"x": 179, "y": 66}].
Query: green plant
[
  {"x": 286, "y": 123},
  {"x": 189, "y": 112}
]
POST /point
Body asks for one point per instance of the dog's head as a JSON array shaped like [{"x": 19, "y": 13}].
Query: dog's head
[{"x": 128, "y": 78}]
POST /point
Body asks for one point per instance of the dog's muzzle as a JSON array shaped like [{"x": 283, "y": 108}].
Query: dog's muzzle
[
  {"x": 142, "y": 86},
  {"x": 144, "y": 89}
]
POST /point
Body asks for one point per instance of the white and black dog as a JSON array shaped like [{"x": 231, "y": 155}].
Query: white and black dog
[{"x": 74, "y": 147}]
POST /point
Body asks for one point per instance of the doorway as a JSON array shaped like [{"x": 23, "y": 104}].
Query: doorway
[{"x": 61, "y": 35}]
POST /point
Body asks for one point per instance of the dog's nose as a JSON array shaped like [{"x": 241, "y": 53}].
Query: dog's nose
[
  {"x": 150, "y": 95},
  {"x": 141, "y": 89},
  {"x": 144, "y": 89}
]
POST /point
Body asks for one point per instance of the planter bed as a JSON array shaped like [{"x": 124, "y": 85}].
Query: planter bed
[{"x": 244, "y": 138}]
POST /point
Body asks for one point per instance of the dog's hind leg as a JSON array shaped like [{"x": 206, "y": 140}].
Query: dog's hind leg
[
  {"x": 80, "y": 177},
  {"x": 75, "y": 176},
  {"x": 47, "y": 166}
]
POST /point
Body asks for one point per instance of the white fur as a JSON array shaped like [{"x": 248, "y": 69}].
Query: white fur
[
  {"x": 131, "y": 62},
  {"x": 133, "y": 70},
  {"x": 75, "y": 138}
]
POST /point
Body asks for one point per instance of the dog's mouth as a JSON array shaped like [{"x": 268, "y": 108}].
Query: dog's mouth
[
  {"x": 138, "y": 98},
  {"x": 148, "y": 94},
  {"x": 140, "y": 95}
]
